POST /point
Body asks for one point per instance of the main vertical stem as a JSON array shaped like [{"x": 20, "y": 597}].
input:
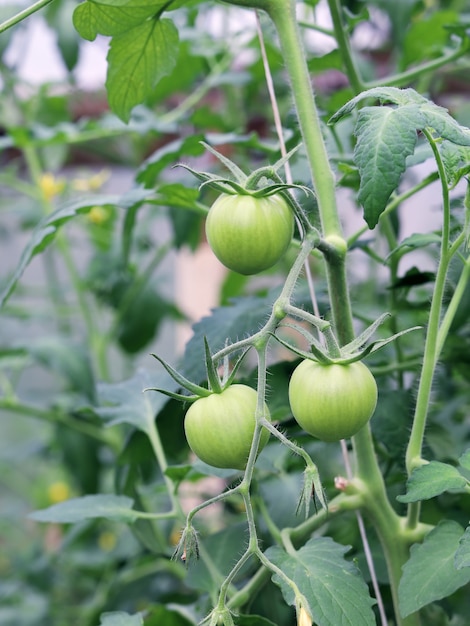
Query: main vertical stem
[{"x": 282, "y": 13}]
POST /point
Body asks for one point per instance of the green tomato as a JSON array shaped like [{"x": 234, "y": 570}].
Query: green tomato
[
  {"x": 219, "y": 428},
  {"x": 247, "y": 234},
  {"x": 332, "y": 402}
]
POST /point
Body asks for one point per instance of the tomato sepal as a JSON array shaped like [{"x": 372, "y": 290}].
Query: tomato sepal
[
  {"x": 197, "y": 390},
  {"x": 188, "y": 546},
  {"x": 312, "y": 491},
  {"x": 332, "y": 353}
]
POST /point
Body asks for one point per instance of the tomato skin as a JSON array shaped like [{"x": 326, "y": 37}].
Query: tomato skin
[
  {"x": 219, "y": 428},
  {"x": 332, "y": 402},
  {"x": 247, "y": 234}
]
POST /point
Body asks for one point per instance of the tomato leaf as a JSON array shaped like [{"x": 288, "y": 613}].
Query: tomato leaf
[
  {"x": 462, "y": 556},
  {"x": 430, "y": 573},
  {"x": 427, "y": 37},
  {"x": 118, "y": 508},
  {"x": 333, "y": 586},
  {"x": 168, "y": 155},
  {"x": 431, "y": 480},
  {"x": 137, "y": 59},
  {"x": 66, "y": 359},
  {"x": 456, "y": 160},
  {"x": 125, "y": 402},
  {"x": 46, "y": 230},
  {"x": 93, "y": 18},
  {"x": 385, "y": 138},
  {"x": 464, "y": 460}
]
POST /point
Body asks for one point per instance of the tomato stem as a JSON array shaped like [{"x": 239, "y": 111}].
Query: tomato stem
[
  {"x": 434, "y": 338},
  {"x": 385, "y": 520}
]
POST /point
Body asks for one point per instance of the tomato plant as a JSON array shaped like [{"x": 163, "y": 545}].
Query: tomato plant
[
  {"x": 332, "y": 402},
  {"x": 249, "y": 234},
  {"x": 343, "y": 142},
  {"x": 219, "y": 428}
]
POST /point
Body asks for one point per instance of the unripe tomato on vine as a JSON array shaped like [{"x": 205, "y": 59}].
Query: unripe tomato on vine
[
  {"x": 332, "y": 401},
  {"x": 249, "y": 234},
  {"x": 219, "y": 428}
]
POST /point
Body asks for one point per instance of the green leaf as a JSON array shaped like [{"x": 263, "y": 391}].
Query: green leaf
[
  {"x": 170, "y": 615},
  {"x": 68, "y": 360},
  {"x": 241, "y": 318},
  {"x": 332, "y": 586},
  {"x": 426, "y": 37},
  {"x": 119, "y": 618},
  {"x": 141, "y": 319},
  {"x": 118, "y": 508},
  {"x": 431, "y": 480},
  {"x": 385, "y": 138},
  {"x": 462, "y": 556},
  {"x": 456, "y": 160},
  {"x": 178, "y": 196},
  {"x": 418, "y": 240},
  {"x": 93, "y": 18},
  {"x": 129, "y": 404},
  {"x": 392, "y": 420},
  {"x": 137, "y": 59},
  {"x": 443, "y": 124},
  {"x": 46, "y": 230},
  {"x": 411, "y": 278},
  {"x": 430, "y": 573},
  {"x": 394, "y": 95},
  {"x": 168, "y": 155},
  {"x": 464, "y": 460}
]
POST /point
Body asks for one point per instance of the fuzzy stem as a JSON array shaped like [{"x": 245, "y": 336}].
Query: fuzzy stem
[
  {"x": 19, "y": 17},
  {"x": 283, "y": 16},
  {"x": 382, "y": 515},
  {"x": 431, "y": 352},
  {"x": 344, "y": 47}
]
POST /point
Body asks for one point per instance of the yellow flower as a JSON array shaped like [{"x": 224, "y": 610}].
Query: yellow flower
[
  {"x": 107, "y": 541},
  {"x": 51, "y": 186},
  {"x": 92, "y": 183},
  {"x": 58, "y": 492},
  {"x": 98, "y": 215},
  {"x": 303, "y": 618}
]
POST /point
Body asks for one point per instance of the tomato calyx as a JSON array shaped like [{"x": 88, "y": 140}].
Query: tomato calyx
[
  {"x": 330, "y": 353},
  {"x": 262, "y": 183},
  {"x": 188, "y": 546},
  {"x": 312, "y": 491},
  {"x": 216, "y": 384}
]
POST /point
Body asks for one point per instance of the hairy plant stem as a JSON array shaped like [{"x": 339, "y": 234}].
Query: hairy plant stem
[
  {"x": 19, "y": 17},
  {"x": 344, "y": 46},
  {"x": 376, "y": 503},
  {"x": 433, "y": 343},
  {"x": 55, "y": 416}
]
